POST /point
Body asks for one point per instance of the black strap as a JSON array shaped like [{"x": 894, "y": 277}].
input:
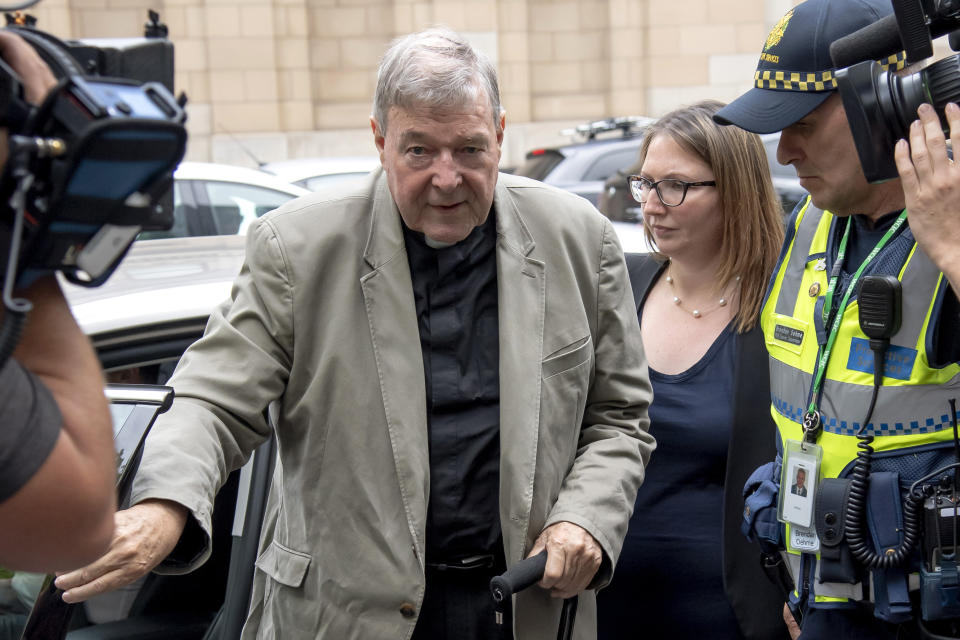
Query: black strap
[{"x": 643, "y": 270}]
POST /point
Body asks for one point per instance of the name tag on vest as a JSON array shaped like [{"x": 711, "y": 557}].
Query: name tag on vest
[
  {"x": 788, "y": 334},
  {"x": 897, "y": 363}
]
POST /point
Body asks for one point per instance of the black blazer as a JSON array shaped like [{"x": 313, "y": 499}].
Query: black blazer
[{"x": 755, "y": 600}]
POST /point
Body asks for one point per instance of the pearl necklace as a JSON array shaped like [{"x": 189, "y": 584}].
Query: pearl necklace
[{"x": 696, "y": 313}]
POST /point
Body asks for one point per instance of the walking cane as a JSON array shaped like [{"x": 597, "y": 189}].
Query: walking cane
[{"x": 522, "y": 575}]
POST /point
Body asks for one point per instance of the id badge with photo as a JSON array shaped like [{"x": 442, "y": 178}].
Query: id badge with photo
[{"x": 798, "y": 483}]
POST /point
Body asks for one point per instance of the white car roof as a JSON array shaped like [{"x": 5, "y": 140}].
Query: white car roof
[
  {"x": 230, "y": 173},
  {"x": 302, "y": 168}
]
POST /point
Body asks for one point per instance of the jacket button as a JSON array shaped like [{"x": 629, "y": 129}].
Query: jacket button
[{"x": 407, "y": 610}]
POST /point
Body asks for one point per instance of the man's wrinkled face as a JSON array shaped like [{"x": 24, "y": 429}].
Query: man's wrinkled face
[{"x": 441, "y": 165}]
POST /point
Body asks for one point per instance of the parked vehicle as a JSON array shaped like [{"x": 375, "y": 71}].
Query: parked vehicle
[
  {"x": 582, "y": 167},
  {"x": 316, "y": 173},
  {"x": 217, "y": 199}
]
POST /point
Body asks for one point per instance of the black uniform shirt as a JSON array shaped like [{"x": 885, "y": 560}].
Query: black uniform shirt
[{"x": 455, "y": 291}]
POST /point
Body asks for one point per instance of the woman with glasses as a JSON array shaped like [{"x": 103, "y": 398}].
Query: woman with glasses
[{"x": 714, "y": 221}]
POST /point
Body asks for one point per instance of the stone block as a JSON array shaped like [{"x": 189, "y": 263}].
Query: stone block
[
  {"x": 628, "y": 74},
  {"x": 626, "y": 43},
  {"x": 257, "y": 21},
  {"x": 242, "y": 53},
  {"x": 362, "y": 53},
  {"x": 732, "y": 69},
  {"x": 338, "y": 22},
  {"x": 512, "y": 15},
  {"x": 708, "y": 39},
  {"x": 293, "y": 53},
  {"x": 261, "y": 85},
  {"x": 540, "y": 47},
  {"x": 751, "y": 37},
  {"x": 324, "y": 53},
  {"x": 582, "y": 106},
  {"x": 665, "y": 12},
  {"x": 295, "y": 85},
  {"x": 551, "y": 78},
  {"x": 578, "y": 47},
  {"x": 198, "y": 120},
  {"x": 343, "y": 115},
  {"x": 110, "y": 23},
  {"x": 196, "y": 84},
  {"x": 628, "y": 102},
  {"x": 380, "y": 22},
  {"x": 632, "y": 14},
  {"x": 228, "y": 86},
  {"x": 296, "y": 116},
  {"x": 678, "y": 71},
  {"x": 516, "y": 105},
  {"x": 513, "y": 47},
  {"x": 246, "y": 117},
  {"x": 196, "y": 23},
  {"x": 596, "y": 16},
  {"x": 664, "y": 40},
  {"x": 190, "y": 54},
  {"x": 480, "y": 15},
  {"x": 554, "y": 16},
  {"x": 451, "y": 14},
  {"x": 595, "y": 76},
  {"x": 403, "y": 18},
  {"x": 335, "y": 86},
  {"x": 733, "y": 11},
  {"x": 223, "y": 22}
]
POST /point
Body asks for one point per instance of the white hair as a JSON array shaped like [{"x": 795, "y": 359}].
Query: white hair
[{"x": 434, "y": 68}]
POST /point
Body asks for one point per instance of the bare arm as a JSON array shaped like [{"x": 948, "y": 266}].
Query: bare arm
[{"x": 63, "y": 516}]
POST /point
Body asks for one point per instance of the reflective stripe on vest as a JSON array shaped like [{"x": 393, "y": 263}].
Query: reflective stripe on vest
[{"x": 912, "y": 405}]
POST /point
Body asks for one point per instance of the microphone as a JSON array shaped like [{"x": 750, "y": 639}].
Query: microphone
[
  {"x": 882, "y": 38},
  {"x": 872, "y": 42}
]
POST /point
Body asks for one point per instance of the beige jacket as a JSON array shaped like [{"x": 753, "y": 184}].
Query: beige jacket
[{"x": 322, "y": 321}]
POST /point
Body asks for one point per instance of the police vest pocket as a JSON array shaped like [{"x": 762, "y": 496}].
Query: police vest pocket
[
  {"x": 286, "y": 566},
  {"x": 788, "y": 333},
  {"x": 568, "y": 357}
]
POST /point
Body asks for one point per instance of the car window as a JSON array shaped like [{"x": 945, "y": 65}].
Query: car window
[
  {"x": 539, "y": 164},
  {"x": 607, "y": 164},
  {"x": 235, "y": 206},
  {"x": 179, "y": 228}
]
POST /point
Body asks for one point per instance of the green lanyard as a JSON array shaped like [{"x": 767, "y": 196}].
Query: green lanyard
[{"x": 811, "y": 421}]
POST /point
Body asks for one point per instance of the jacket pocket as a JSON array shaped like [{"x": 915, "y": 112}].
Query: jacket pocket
[
  {"x": 286, "y": 566},
  {"x": 573, "y": 355}
]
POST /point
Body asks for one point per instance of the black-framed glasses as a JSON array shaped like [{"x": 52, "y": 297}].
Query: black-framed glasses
[{"x": 670, "y": 190}]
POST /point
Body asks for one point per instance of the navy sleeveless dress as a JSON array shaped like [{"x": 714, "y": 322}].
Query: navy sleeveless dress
[{"x": 668, "y": 582}]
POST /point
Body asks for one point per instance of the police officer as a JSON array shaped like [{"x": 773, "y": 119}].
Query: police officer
[{"x": 820, "y": 361}]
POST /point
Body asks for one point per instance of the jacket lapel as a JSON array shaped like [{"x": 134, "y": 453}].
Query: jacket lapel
[
  {"x": 391, "y": 314},
  {"x": 521, "y": 287}
]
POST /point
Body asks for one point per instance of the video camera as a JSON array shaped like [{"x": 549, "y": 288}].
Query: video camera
[
  {"x": 880, "y": 105},
  {"x": 93, "y": 165}
]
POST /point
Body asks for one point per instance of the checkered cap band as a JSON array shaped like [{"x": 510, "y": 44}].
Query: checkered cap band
[{"x": 813, "y": 81}]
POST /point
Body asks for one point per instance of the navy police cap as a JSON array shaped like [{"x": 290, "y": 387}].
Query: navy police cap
[{"x": 795, "y": 74}]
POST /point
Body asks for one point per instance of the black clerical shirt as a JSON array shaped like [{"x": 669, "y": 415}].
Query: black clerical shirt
[{"x": 455, "y": 291}]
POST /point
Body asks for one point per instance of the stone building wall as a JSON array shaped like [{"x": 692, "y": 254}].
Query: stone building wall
[{"x": 270, "y": 79}]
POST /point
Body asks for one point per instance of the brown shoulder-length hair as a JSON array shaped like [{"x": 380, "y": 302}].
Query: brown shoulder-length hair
[{"x": 752, "y": 215}]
